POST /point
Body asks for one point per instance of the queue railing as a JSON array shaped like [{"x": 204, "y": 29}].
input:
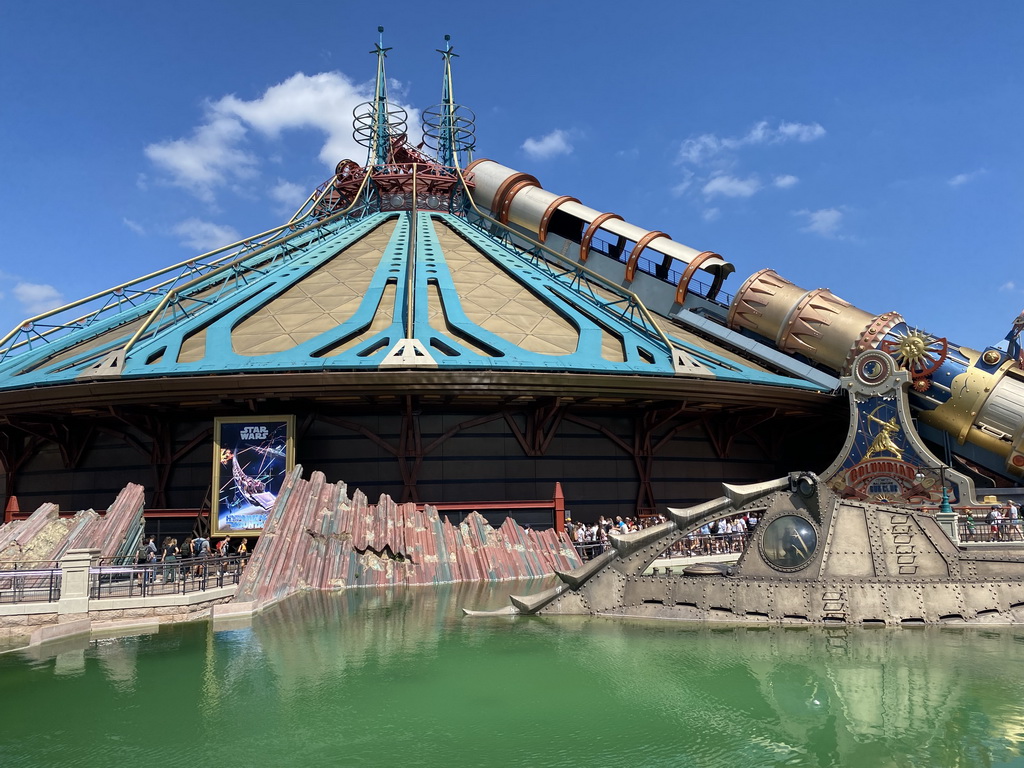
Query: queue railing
[
  {"x": 692, "y": 545},
  {"x": 110, "y": 579},
  {"x": 981, "y": 529},
  {"x": 30, "y": 581}
]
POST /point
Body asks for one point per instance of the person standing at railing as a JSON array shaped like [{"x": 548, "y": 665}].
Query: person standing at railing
[
  {"x": 185, "y": 556},
  {"x": 581, "y": 541},
  {"x": 1013, "y": 520},
  {"x": 201, "y": 551},
  {"x": 738, "y": 531},
  {"x": 170, "y": 555},
  {"x": 969, "y": 524},
  {"x": 242, "y": 552},
  {"x": 994, "y": 519},
  {"x": 149, "y": 548},
  {"x": 223, "y": 550}
]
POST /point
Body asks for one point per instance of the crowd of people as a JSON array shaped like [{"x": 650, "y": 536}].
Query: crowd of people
[
  {"x": 190, "y": 558},
  {"x": 1002, "y": 522},
  {"x": 721, "y": 537}
]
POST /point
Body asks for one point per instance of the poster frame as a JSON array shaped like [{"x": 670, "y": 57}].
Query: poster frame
[{"x": 218, "y": 439}]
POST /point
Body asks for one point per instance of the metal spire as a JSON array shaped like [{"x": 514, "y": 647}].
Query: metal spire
[
  {"x": 446, "y": 151},
  {"x": 380, "y": 146},
  {"x": 448, "y": 128}
]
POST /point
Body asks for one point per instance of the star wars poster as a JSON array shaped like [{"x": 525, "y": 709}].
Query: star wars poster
[{"x": 251, "y": 457}]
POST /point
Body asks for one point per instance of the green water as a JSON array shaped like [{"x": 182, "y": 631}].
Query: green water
[{"x": 400, "y": 678}]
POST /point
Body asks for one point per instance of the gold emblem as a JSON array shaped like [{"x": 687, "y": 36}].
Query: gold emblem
[{"x": 884, "y": 438}]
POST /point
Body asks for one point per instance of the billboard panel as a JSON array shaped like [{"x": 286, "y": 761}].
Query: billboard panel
[{"x": 251, "y": 456}]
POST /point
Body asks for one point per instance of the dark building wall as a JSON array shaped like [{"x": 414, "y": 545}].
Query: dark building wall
[{"x": 481, "y": 459}]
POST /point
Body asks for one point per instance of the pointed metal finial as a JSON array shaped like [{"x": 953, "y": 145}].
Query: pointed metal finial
[
  {"x": 447, "y": 126},
  {"x": 376, "y": 125}
]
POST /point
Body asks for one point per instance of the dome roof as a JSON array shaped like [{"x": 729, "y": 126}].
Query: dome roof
[{"x": 372, "y": 292}]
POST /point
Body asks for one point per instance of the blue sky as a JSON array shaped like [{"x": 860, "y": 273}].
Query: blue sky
[{"x": 873, "y": 148}]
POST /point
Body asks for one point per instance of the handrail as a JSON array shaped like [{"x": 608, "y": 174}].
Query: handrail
[
  {"x": 629, "y": 295},
  {"x": 180, "y": 265},
  {"x": 187, "y": 264},
  {"x": 184, "y": 575},
  {"x": 173, "y": 294},
  {"x": 410, "y": 263},
  {"x": 30, "y": 581}
]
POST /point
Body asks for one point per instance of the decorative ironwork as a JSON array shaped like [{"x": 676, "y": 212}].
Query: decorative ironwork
[{"x": 916, "y": 351}]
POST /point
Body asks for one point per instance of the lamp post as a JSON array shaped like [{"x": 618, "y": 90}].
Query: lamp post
[
  {"x": 946, "y": 516},
  {"x": 944, "y": 506}
]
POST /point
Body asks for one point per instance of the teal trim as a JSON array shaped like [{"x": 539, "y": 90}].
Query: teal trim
[{"x": 233, "y": 295}]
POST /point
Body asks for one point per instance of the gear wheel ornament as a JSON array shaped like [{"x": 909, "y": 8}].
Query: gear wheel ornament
[{"x": 917, "y": 352}]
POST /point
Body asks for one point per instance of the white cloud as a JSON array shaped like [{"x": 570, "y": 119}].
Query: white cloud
[
  {"x": 701, "y": 149},
  {"x": 134, "y": 226},
  {"x": 548, "y": 146},
  {"x": 785, "y": 181},
  {"x": 289, "y": 195},
  {"x": 696, "y": 151},
  {"x": 963, "y": 178},
  {"x": 204, "y": 235},
  {"x": 36, "y": 298},
  {"x": 1008, "y": 287},
  {"x": 824, "y": 222},
  {"x": 710, "y": 214},
  {"x": 216, "y": 153},
  {"x": 684, "y": 184},
  {"x": 799, "y": 132},
  {"x": 207, "y": 160},
  {"x": 730, "y": 186}
]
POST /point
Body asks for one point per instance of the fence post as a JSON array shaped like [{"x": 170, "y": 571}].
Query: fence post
[{"x": 74, "y": 589}]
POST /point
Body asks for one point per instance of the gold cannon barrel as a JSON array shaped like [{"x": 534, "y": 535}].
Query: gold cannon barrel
[
  {"x": 977, "y": 398},
  {"x": 816, "y": 324}
]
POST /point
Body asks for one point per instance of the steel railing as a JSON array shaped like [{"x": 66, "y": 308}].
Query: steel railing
[
  {"x": 30, "y": 581},
  {"x": 692, "y": 545},
  {"x": 981, "y": 529},
  {"x": 178, "y": 577}
]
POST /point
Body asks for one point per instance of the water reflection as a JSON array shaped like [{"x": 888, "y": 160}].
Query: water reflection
[
  {"x": 316, "y": 635},
  {"x": 118, "y": 660},
  {"x": 354, "y": 676},
  {"x": 823, "y": 696}
]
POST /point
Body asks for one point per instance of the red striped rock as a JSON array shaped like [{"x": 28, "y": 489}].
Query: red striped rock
[{"x": 316, "y": 537}]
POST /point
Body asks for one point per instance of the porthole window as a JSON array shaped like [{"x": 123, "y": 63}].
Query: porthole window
[{"x": 788, "y": 543}]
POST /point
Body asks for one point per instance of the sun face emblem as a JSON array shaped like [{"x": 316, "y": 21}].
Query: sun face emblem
[
  {"x": 912, "y": 347},
  {"x": 916, "y": 351}
]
